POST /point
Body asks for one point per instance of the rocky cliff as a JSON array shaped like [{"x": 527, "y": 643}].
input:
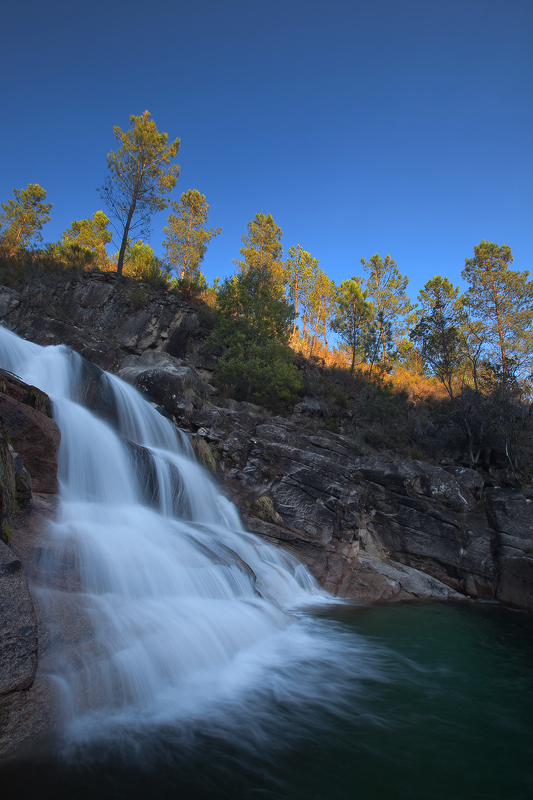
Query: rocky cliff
[{"x": 102, "y": 322}]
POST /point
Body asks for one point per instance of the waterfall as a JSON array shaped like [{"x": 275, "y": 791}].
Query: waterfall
[{"x": 158, "y": 603}]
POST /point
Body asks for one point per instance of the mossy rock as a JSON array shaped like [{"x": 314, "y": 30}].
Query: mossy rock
[
  {"x": 203, "y": 453},
  {"x": 263, "y": 507}
]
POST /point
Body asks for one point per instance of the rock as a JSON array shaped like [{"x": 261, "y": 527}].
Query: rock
[
  {"x": 29, "y": 705},
  {"x": 370, "y": 527},
  {"x": 18, "y": 631},
  {"x": 13, "y": 387},
  {"x": 166, "y": 381},
  {"x": 412, "y": 581},
  {"x": 511, "y": 515},
  {"x": 27, "y": 714},
  {"x": 99, "y": 319},
  {"x": 26, "y": 704},
  {"x": 23, "y": 481},
  {"x": 35, "y": 438},
  {"x": 8, "y": 488}
]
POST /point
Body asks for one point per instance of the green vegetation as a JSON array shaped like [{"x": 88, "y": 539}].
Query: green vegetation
[
  {"x": 91, "y": 234},
  {"x": 254, "y": 322},
  {"x": 353, "y": 322},
  {"x": 141, "y": 263},
  {"x": 386, "y": 288},
  {"x": 187, "y": 237},
  {"x": 22, "y": 219},
  {"x": 140, "y": 175}
]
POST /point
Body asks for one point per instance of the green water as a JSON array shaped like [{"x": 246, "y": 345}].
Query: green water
[{"x": 448, "y": 716}]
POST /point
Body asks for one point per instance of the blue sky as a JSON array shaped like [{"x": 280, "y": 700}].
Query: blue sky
[{"x": 383, "y": 126}]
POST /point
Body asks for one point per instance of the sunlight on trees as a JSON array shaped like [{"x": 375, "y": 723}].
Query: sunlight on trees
[
  {"x": 140, "y": 175},
  {"x": 502, "y": 300},
  {"x": 22, "y": 219},
  {"x": 386, "y": 288},
  {"x": 187, "y": 236},
  {"x": 91, "y": 234}
]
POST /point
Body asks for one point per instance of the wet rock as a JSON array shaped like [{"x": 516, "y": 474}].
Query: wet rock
[
  {"x": 35, "y": 438},
  {"x": 18, "y": 631},
  {"x": 28, "y": 714}
]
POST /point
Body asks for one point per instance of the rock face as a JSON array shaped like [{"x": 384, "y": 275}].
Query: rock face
[
  {"x": 373, "y": 527},
  {"x": 29, "y": 440},
  {"x": 33, "y": 434},
  {"x": 26, "y": 702},
  {"x": 511, "y": 515},
  {"x": 99, "y": 320},
  {"x": 18, "y": 634}
]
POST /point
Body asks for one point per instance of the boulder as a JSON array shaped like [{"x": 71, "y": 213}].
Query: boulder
[
  {"x": 36, "y": 438},
  {"x": 167, "y": 381}
]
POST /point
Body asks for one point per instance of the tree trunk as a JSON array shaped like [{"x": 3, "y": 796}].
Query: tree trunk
[{"x": 120, "y": 262}]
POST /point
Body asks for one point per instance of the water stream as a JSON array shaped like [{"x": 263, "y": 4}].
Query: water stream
[{"x": 193, "y": 660}]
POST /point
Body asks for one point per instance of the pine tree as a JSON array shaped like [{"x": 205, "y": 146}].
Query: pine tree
[
  {"x": 300, "y": 275},
  {"x": 140, "y": 177},
  {"x": 254, "y": 325},
  {"x": 386, "y": 287},
  {"x": 439, "y": 330},
  {"x": 323, "y": 297},
  {"x": 255, "y": 322},
  {"x": 353, "y": 319},
  {"x": 502, "y": 300},
  {"x": 263, "y": 252},
  {"x": 22, "y": 219},
  {"x": 187, "y": 235},
  {"x": 91, "y": 234}
]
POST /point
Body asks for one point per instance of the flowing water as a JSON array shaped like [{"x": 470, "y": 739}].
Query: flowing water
[{"x": 192, "y": 660}]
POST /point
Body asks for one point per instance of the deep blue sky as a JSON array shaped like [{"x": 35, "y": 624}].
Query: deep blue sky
[{"x": 389, "y": 126}]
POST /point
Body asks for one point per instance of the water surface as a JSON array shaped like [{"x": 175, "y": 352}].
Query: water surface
[{"x": 439, "y": 706}]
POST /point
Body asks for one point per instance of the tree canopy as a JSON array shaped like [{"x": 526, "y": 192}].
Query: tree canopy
[
  {"x": 502, "y": 300},
  {"x": 140, "y": 177},
  {"x": 353, "y": 319},
  {"x": 386, "y": 288},
  {"x": 90, "y": 233},
  {"x": 187, "y": 235},
  {"x": 262, "y": 251},
  {"x": 22, "y": 219},
  {"x": 255, "y": 322},
  {"x": 439, "y": 331}
]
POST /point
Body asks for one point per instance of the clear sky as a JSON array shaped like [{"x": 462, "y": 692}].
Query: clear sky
[{"x": 388, "y": 126}]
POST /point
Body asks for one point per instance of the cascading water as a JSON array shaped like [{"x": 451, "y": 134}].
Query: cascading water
[{"x": 159, "y": 603}]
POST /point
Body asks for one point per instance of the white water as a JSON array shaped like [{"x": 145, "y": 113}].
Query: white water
[{"x": 160, "y": 606}]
